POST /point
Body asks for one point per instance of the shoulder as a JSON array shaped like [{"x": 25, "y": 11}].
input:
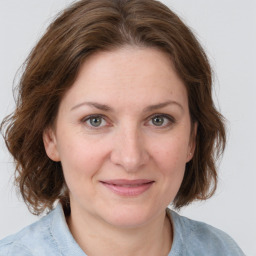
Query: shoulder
[
  {"x": 32, "y": 240},
  {"x": 10, "y": 246},
  {"x": 198, "y": 238}
]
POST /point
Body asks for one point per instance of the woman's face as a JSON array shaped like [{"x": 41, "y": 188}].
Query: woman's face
[{"x": 123, "y": 136}]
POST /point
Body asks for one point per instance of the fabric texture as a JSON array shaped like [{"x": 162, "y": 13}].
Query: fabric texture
[{"x": 50, "y": 236}]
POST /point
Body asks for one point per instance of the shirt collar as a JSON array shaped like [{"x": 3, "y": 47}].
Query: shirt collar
[
  {"x": 62, "y": 235},
  {"x": 68, "y": 246}
]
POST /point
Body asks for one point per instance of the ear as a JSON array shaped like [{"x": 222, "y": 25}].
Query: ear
[
  {"x": 50, "y": 144},
  {"x": 192, "y": 142}
]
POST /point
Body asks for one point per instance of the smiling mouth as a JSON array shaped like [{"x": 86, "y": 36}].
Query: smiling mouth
[{"x": 128, "y": 188}]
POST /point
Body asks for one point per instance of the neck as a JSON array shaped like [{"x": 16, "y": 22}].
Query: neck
[{"x": 154, "y": 238}]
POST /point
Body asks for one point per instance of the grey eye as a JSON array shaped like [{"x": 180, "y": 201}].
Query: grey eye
[
  {"x": 95, "y": 121},
  {"x": 158, "y": 120}
]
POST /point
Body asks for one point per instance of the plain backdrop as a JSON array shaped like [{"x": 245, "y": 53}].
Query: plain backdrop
[{"x": 227, "y": 30}]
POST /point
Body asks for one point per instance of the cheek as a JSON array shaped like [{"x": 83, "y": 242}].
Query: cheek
[
  {"x": 171, "y": 153},
  {"x": 172, "y": 165},
  {"x": 170, "y": 157},
  {"x": 80, "y": 161},
  {"x": 170, "y": 160}
]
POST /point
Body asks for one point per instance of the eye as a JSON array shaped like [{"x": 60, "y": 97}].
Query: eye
[
  {"x": 161, "y": 120},
  {"x": 158, "y": 120},
  {"x": 95, "y": 121}
]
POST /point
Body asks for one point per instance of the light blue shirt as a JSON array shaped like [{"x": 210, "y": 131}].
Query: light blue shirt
[{"x": 50, "y": 236}]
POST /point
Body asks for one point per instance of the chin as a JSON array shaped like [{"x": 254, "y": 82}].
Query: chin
[{"x": 129, "y": 217}]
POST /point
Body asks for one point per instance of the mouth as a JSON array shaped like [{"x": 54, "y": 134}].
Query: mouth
[{"x": 128, "y": 188}]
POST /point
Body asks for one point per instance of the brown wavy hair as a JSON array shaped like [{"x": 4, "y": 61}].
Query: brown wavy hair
[{"x": 86, "y": 27}]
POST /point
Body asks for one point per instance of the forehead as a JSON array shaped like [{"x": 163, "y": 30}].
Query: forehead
[{"x": 129, "y": 75}]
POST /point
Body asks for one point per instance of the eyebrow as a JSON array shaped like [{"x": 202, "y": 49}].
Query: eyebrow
[
  {"x": 95, "y": 105},
  {"x": 107, "y": 108},
  {"x": 162, "y": 105}
]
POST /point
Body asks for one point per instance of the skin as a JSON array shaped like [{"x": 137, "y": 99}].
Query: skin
[{"x": 124, "y": 89}]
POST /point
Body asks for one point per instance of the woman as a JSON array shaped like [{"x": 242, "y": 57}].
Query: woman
[{"x": 114, "y": 122}]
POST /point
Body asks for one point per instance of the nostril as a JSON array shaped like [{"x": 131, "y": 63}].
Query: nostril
[{"x": 130, "y": 161}]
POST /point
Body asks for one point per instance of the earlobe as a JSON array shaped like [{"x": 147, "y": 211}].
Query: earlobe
[
  {"x": 50, "y": 144},
  {"x": 189, "y": 156},
  {"x": 192, "y": 143}
]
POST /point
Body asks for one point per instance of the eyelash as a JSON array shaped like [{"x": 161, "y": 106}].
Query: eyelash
[
  {"x": 90, "y": 117},
  {"x": 171, "y": 120}
]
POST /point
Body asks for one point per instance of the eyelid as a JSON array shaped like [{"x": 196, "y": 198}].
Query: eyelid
[
  {"x": 170, "y": 118},
  {"x": 86, "y": 118}
]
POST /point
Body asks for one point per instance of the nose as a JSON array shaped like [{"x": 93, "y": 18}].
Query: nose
[{"x": 129, "y": 149}]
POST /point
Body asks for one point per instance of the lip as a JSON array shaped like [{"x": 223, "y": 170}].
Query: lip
[{"x": 129, "y": 188}]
